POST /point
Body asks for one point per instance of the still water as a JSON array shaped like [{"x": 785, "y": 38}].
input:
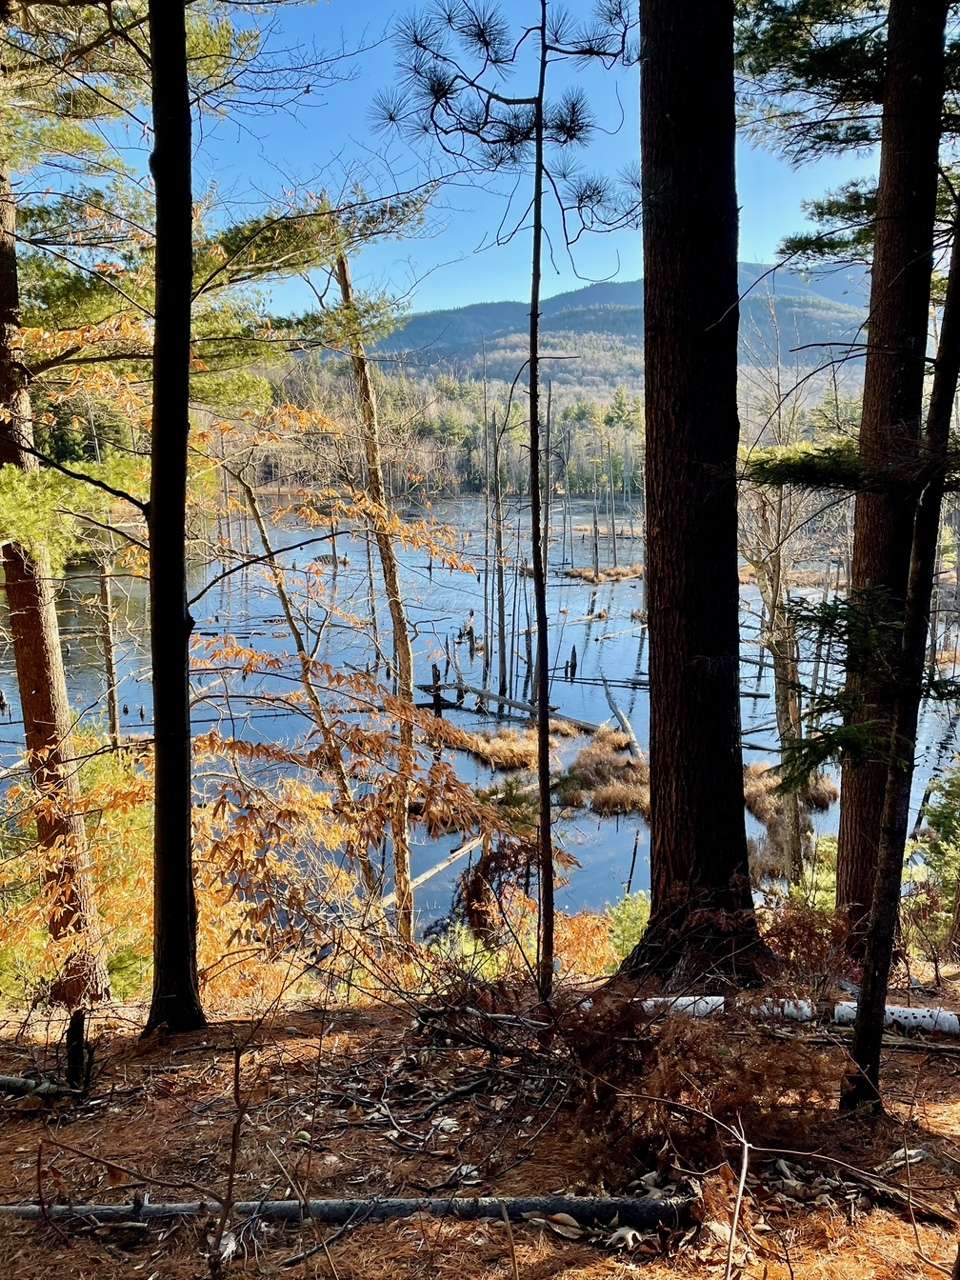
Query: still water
[{"x": 600, "y": 621}]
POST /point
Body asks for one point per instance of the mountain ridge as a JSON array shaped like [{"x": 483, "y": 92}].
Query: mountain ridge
[{"x": 785, "y": 314}]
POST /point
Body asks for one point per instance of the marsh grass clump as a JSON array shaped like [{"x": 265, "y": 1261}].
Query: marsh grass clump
[
  {"x": 564, "y": 729},
  {"x": 507, "y": 749},
  {"x": 820, "y": 793},
  {"x": 765, "y": 801},
  {"x": 622, "y": 797},
  {"x": 792, "y": 577},
  {"x": 760, "y": 793},
  {"x": 612, "y": 573},
  {"x": 607, "y": 778}
]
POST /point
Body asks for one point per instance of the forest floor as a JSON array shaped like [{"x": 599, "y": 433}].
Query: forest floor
[{"x": 400, "y": 1100}]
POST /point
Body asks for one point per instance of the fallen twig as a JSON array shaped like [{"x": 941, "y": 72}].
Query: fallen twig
[{"x": 741, "y": 1187}]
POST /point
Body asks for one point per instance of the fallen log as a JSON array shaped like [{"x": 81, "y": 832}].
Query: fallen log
[
  {"x": 842, "y": 1012},
  {"x": 623, "y": 722},
  {"x": 24, "y": 1087},
  {"x": 643, "y": 1214},
  {"x": 389, "y": 899},
  {"x": 488, "y": 696}
]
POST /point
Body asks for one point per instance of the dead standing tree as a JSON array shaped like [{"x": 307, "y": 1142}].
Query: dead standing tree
[
  {"x": 403, "y": 651},
  {"x": 459, "y": 59}
]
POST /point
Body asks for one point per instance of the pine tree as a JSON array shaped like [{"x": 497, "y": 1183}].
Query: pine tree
[
  {"x": 41, "y": 678},
  {"x": 458, "y": 58},
  {"x": 702, "y": 916},
  {"x": 892, "y": 402},
  {"x": 62, "y": 838}
]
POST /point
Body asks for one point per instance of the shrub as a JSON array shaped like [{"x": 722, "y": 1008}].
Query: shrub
[{"x": 628, "y": 920}]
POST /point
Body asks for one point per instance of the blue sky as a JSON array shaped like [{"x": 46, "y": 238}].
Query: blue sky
[{"x": 329, "y": 140}]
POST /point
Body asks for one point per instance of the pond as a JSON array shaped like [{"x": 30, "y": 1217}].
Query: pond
[{"x": 604, "y": 623}]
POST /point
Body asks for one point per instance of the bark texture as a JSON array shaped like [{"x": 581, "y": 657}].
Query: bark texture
[
  {"x": 863, "y": 1085},
  {"x": 702, "y": 910},
  {"x": 891, "y": 417},
  {"x": 176, "y": 993},
  {"x": 61, "y": 834}
]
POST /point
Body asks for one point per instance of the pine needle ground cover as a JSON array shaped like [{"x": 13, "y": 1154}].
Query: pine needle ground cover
[{"x": 465, "y": 1093}]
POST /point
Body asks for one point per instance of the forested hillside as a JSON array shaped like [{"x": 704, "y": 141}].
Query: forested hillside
[{"x": 785, "y": 315}]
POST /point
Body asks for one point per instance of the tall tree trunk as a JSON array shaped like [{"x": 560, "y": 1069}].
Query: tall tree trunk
[
  {"x": 862, "y": 1086},
  {"x": 176, "y": 992},
  {"x": 547, "y": 481},
  {"x": 61, "y": 834},
  {"x": 400, "y": 823},
  {"x": 890, "y": 421},
  {"x": 783, "y": 652},
  {"x": 545, "y": 947},
  {"x": 612, "y": 504},
  {"x": 702, "y": 915}
]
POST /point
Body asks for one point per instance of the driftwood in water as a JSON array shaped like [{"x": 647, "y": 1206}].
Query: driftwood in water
[
  {"x": 487, "y": 695},
  {"x": 461, "y": 850},
  {"x": 623, "y": 722},
  {"x": 643, "y": 1214}
]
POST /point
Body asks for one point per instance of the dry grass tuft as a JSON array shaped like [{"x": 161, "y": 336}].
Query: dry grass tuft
[
  {"x": 622, "y": 797},
  {"x": 821, "y": 792},
  {"x": 760, "y": 793},
  {"x": 620, "y": 573},
  {"x": 564, "y": 729},
  {"x": 765, "y": 802},
  {"x": 507, "y": 749},
  {"x": 606, "y": 778},
  {"x": 793, "y": 577}
]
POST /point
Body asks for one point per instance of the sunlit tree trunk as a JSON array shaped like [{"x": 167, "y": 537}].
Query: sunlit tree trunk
[
  {"x": 109, "y": 654},
  {"x": 176, "y": 994},
  {"x": 61, "y": 834},
  {"x": 779, "y": 638},
  {"x": 498, "y": 553}
]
